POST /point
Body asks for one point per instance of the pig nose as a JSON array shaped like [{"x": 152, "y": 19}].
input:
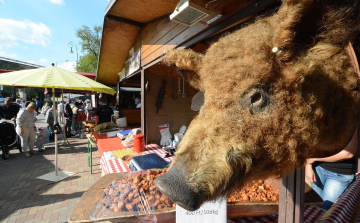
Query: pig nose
[{"x": 173, "y": 185}]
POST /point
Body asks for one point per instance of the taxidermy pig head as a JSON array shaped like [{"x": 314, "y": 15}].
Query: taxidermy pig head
[{"x": 277, "y": 92}]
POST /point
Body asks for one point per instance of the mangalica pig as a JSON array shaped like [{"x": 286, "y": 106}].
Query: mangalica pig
[{"x": 277, "y": 92}]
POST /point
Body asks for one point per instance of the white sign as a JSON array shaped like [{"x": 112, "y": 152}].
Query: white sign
[{"x": 209, "y": 212}]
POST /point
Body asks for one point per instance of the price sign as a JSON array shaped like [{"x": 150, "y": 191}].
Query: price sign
[{"x": 211, "y": 211}]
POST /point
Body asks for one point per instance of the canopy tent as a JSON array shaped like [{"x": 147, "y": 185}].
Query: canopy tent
[
  {"x": 55, "y": 78},
  {"x": 58, "y": 91}
]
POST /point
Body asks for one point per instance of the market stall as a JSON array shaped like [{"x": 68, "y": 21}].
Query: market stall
[{"x": 148, "y": 36}]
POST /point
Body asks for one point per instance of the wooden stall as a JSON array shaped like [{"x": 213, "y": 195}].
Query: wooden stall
[{"x": 136, "y": 34}]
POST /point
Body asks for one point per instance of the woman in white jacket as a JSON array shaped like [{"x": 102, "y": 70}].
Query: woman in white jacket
[{"x": 25, "y": 128}]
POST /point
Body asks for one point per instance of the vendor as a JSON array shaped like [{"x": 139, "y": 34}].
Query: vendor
[
  {"x": 330, "y": 176},
  {"x": 103, "y": 112},
  {"x": 137, "y": 103}
]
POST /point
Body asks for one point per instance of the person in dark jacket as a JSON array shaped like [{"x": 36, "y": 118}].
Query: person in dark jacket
[
  {"x": 68, "y": 118},
  {"x": 8, "y": 110},
  {"x": 103, "y": 112}
]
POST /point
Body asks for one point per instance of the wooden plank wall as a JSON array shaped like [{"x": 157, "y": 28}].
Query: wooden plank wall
[
  {"x": 163, "y": 35},
  {"x": 176, "y": 112}
]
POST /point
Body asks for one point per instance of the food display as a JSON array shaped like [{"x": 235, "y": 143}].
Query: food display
[
  {"x": 136, "y": 192},
  {"x": 128, "y": 158},
  {"x": 105, "y": 126},
  {"x": 258, "y": 191},
  {"x": 123, "y": 152}
]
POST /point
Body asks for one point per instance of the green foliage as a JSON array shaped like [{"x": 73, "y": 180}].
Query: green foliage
[
  {"x": 90, "y": 45},
  {"x": 7, "y": 92},
  {"x": 88, "y": 63}
]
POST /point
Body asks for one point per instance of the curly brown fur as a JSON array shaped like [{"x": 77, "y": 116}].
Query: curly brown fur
[{"x": 308, "y": 90}]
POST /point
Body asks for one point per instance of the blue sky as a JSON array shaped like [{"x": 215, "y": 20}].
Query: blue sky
[{"x": 38, "y": 31}]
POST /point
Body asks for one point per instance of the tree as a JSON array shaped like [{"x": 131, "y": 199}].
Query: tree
[
  {"x": 88, "y": 63},
  {"x": 90, "y": 45}
]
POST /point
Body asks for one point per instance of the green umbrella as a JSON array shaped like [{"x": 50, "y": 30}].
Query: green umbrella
[{"x": 53, "y": 77}]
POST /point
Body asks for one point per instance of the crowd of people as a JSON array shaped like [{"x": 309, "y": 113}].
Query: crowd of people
[{"x": 24, "y": 114}]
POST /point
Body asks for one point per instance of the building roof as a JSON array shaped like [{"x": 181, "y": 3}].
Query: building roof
[{"x": 122, "y": 22}]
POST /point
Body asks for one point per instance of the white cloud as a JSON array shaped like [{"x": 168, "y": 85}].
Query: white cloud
[
  {"x": 30, "y": 61},
  {"x": 57, "y": 49},
  {"x": 11, "y": 32},
  {"x": 11, "y": 55},
  {"x": 59, "y": 2},
  {"x": 2, "y": 1},
  {"x": 43, "y": 60},
  {"x": 25, "y": 47},
  {"x": 67, "y": 66}
]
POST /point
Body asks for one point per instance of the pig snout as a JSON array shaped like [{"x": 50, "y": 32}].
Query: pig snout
[{"x": 173, "y": 185}]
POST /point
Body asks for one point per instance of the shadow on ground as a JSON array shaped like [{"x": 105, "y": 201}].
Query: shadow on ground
[{"x": 23, "y": 197}]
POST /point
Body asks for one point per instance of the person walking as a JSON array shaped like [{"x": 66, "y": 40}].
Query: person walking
[
  {"x": 68, "y": 118},
  {"x": 49, "y": 119},
  {"x": 25, "y": 128},
  {"x": 61, "y": 112},
  {"x": 75, "y": 113},
  {"x": 37, "y": 106},
  {"x": 45, "y": 108}
]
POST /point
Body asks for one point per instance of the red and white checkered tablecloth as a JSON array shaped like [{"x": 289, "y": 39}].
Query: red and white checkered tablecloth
[
  {"x": 344, "y": 207},
  {"x": 312, "y": 214},
  {"x": 117, "y": 165}
]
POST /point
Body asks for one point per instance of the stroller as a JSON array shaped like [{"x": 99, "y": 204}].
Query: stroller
[{"x": 9, "y": 139}]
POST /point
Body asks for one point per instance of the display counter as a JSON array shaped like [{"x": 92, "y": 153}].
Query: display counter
[{"x": 92, "y": 196}]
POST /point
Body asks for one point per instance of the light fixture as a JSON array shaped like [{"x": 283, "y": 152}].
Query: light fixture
[
  {"x": 71, "y": 50},
  {"x": 188, "y": 13}
]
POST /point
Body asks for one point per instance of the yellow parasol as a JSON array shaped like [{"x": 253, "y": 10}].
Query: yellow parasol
[{"x": 53, "y": 77}]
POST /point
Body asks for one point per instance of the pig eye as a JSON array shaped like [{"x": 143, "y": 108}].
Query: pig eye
[{"x": 256, "y": 100}]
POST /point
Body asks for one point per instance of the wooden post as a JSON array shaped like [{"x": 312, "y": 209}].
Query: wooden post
[
  {"x": 358, "y": 153},
  {"x": 143, "y": 127},
  {"x": 291, "y": 198}
]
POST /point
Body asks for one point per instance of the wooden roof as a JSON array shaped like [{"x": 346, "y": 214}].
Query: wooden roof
[{"x": 122, "y": 22}]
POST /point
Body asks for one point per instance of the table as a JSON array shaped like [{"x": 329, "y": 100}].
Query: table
[
  {"x": 105, "y": 144},
  {"x": 118, "y": 166}
]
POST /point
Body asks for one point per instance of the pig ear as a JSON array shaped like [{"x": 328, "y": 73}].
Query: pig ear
[
  {"x": 188, "y": 63},
  {"x": 307, "y": 23}
]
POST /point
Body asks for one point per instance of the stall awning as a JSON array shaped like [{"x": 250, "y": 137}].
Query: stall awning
[{"x": 122, "y": 22}]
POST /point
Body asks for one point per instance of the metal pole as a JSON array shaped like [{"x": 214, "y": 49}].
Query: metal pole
[{"x": 56, "y": 138}]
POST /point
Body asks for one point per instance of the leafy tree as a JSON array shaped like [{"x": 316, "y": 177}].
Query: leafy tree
[
  {"x": 90, "y": 45},
  {"x": 88, "y": 63}
]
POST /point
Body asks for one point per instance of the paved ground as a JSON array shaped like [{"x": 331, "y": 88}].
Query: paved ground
[{"x": 24, "y": 198}]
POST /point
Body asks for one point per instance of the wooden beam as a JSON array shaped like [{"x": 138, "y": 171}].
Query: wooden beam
[
  {"x": 158, "y": 60},
  {"x": 292, "y": 197},
  {"x": 299, "y": 195},
  {"x": 143, "y": 127},
  {"x": 122, "y": 20}
]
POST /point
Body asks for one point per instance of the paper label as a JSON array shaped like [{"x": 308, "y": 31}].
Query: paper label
[{"x": 211, "y": 211}]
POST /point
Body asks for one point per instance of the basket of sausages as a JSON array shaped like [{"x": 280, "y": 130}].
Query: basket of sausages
[{"x": 134, "y": 194}]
